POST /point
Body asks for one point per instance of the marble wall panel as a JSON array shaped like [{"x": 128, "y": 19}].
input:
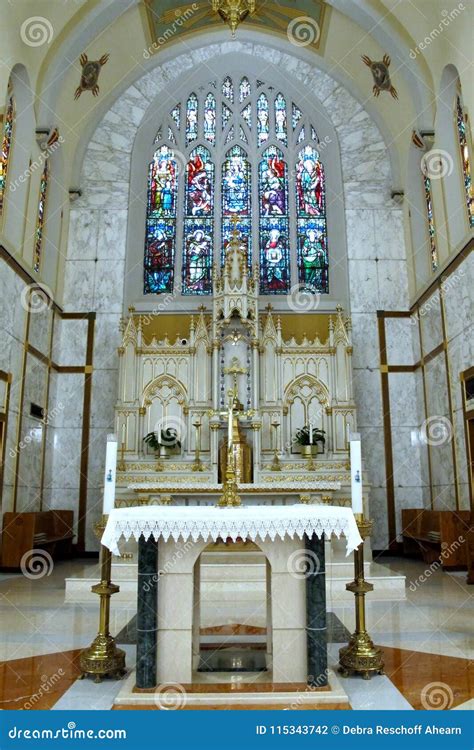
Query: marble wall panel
[
  {"x": 392, "y": 281},
  {"x": 79, "y": 285},
  {"x": 458, "y": 298},
  {"x": 70, "y": 342},
  {"x": 36, "y": 384},
  {"x": 378, "y": 513},
  {"x": 461, "y": 357},
  {"x": 444, "y": 497},
  {"x": 83, "y": 235},
  {"x": 442, "y": 466},
  {"x": 436, "y": 384},
  {"x": 65, "y": 447},
  {"x": 108, "y": 286},
  {"x": 406, "y": 458},
  {"x": 93, "y": 514},
  {"x": 365, "y": 341},
  {"x": 360, "y": 235},
  {"x": 107, "y": 339},
  {"x": 68, "y": 400},
  {"x": 104, "y": 397},
  {"x": 112, "y": 235},
  {"x": 30, "y": 451},
  {"x": 39, "y": 330},
  {"x": 431, "y": 323},
  {"x": 97, "y": 447},
  {"x": 14, "y": 294},
  {"x": 401, "y": 335},
  {"x": 373, "y": 453},
  {"x": 103, "y": 163},
  {"x": 403, "y": 400},
  {"x": 389, "y": 235},
  {"x": 368, "y": 398},
  {"x": 363, "y": 286}
]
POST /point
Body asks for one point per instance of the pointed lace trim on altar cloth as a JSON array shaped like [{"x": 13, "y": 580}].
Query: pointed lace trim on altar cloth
[{"x": 247, "y": 522}]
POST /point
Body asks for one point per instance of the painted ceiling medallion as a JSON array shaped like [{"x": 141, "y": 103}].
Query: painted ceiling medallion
[
  {"x": 233, "y": 12},
  {"x": 90, "y": 74},
  {"x": 381, "y": 75}
]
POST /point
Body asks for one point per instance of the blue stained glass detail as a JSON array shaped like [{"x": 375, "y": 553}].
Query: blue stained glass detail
[
  {"x": 242, "y": 135},
  {"x": 176, "y": 115},
  {"x": 230, "y": 134},
  {"x": 243, "y": 226},
  {"x": 162, "y": 184},
  {"x": 191, "y": 118},
  {"x": 273, "y": 184},
  {"x": 210, "y": 118},
  {"x": 236, "y": 183},
  {"x": 161, "y": 222},
  {"x": 171, "y": 137},
  {"x": 310, "y": 183},
  {"x": 301, "y": 135},
  {"x": 262, "y": 119},
  {"x": 226, "y": 115},
  {"x": 280, "y": 118},
  {"x": 247, "y": 115},
  {"x": 199, "y": 183},
  {"x": 296, "y": 115}
]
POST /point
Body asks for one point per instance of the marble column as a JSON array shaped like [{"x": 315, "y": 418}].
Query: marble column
[
  {"x": 147, "y": 612},
  {"x": 316, "y": 630}
]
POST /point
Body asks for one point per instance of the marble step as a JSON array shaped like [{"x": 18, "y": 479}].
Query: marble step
[{"x": 246, "y": 581}]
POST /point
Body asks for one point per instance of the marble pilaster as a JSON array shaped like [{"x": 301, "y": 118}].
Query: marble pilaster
[
  {"x": 147, "y": 601},
  {"x": 316, "y": 628}
]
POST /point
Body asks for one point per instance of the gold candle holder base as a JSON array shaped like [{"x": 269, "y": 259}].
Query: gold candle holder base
[
  {"x": 197, "y": 465},
  {"x": 103, "y": 658},
  {"x": 311, "y": 466},
  {"x": 360, "y": 656}
]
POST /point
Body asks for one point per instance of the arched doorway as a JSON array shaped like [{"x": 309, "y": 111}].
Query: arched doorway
[{"x": 232, "y": 632}]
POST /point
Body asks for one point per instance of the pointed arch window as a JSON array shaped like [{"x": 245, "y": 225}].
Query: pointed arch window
[
  {"x": 311, "y": 231},
  {"x": 7, "y": 138},
  {"x": 465, "y": 159},
  {"x": 161, "y": 222},
  {"x": 198, "y": 223},
  {"x": 223, "y": 157},
  {"x": 40, "y": 218},
  {"x": 431, "y": 224}
]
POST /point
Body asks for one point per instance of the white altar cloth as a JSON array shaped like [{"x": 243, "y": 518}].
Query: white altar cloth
[{"x": 250, "y": 522}]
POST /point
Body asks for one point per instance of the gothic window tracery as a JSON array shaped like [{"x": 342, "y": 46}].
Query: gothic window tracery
[
  {"x": 227, "y": 147},
  {"x": 7, "y": 138}
]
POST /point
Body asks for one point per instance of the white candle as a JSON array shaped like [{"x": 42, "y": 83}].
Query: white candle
[
  {"x": 311, "y": 432},
  {"x": 124, "y": 433},
  {"x": 109, "y": 476},
  {"x": 356, "y": 473}
]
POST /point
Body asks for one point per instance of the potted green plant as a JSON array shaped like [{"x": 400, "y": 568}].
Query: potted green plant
[
  {"x": 308, "y": 446},
  {"x": 167, "y": 445}
]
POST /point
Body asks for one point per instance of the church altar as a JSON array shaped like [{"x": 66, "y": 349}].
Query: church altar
[{"x": 170, "y": 542}]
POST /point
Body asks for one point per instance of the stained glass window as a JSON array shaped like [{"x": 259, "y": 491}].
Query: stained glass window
[
  {"x": 465, "y": 160},
  {"x": 161, "y": 222},
  {"x": 244, "y": 89},
  {"x": 263, "y": 119},
  {"x": 210, "y": 118},
  {"x": 40, "y": 218},
  {"x": 274, "y": 223},
  {"x": 192, "y": 118},
  {"x": 6, "y": 145},
  {"x": 198, "y": 223},
  {"x": 280, "y": 118},
  {"x": 311, "y": 222},
  {"x": 431, "y": 224},
  {"x": 236, "y": 197},
  {"x": 224, "y": 140}
]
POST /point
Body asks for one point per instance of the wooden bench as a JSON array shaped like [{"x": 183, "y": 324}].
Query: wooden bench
[
  {"x": 450, "y": 548},
  {"x": 50, "y": 530}
]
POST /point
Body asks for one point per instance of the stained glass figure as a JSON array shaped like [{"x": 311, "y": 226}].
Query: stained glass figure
[
  {"x": 197, "y": 261},
  {"x": 230, "y": 134},
  {"x": 247, "y": 115},
  {"x": 310, "y": 183},
  {"x": 312, "y": 250},
  {"x": 296, "y": 115},
  {"x": 280, "y": 119},
  {"x": 40, "y": 218},
  {"x": 273, "y": 184},
  {"x": 244, "y": 89},
  {"x": 243, "y": 227},
  {"x": 171, "y": 137},
  {"x": 6, "y": 145},
  {"x": 262, "y": 119},
  {"x": 210, "y": 118},
  {"x": 228, "y": 89},
  {"x": 226, "y": 115},
  {"x": 191, "y": 119},
  {"x": 465, "y": 160},
  {"x": 431, "y": 224},
  {"x": 199, "y": 183},
  {"x": 301, "y": 135},
  {"x": 161, "y": 222},
  {"x": 236, "y": 196},
  {"x": 176, "y": 115}
]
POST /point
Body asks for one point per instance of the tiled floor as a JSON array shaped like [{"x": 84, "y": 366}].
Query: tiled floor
[{"x": 428, "y": 643}]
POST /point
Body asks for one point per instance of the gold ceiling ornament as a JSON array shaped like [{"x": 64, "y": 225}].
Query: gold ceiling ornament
[{"x": 233, "y": 12}]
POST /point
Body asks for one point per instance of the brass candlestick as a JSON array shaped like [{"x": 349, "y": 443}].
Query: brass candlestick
[
  {"x": 276, "y": 466},
  {"x": 197, "y": 465},
  {"x": 360, "y": 656},
  {"x": 230, "y": 496},
  {"x": 103, "y": 657},
  {"x": 311, "y": 466},
  {"x": 121, "y": 466}
]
